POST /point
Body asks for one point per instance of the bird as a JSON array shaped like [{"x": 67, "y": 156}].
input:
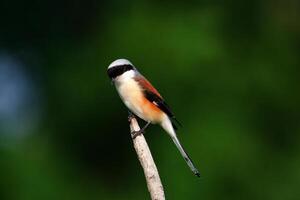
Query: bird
[{"x": 142, "y": 99}]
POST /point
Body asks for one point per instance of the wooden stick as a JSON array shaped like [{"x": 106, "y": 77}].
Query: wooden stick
[{"x": 143, "y": 152}]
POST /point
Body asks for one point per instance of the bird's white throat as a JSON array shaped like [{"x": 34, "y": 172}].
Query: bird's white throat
[{"x": 126, "y": 76}]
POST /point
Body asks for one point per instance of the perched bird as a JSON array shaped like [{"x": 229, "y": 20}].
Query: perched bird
[{"x": 143, "y": 100}]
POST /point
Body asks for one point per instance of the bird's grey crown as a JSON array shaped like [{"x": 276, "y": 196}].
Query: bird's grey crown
[
  {"x": 119, "y": 62},
  {"x": 119, "y": 67}
]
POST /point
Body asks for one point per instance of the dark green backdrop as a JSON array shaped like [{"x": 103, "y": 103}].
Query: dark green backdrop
[{"x": 229, "y": 69}]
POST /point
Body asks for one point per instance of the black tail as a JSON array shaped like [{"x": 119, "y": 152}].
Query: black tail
[{"x": 185, "y": 156}]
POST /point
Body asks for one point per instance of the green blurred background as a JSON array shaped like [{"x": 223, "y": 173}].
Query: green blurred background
[{"x": 229, "y": 69}]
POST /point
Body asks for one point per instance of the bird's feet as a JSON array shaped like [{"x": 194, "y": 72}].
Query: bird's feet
[
  {"x": 130, "y": 116},
  {"x": 134, "y": 134}
]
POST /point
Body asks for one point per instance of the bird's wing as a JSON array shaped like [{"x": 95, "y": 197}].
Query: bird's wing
[
  {"x": 146, "y": 85},
  {"x": 154, "y": 97}
]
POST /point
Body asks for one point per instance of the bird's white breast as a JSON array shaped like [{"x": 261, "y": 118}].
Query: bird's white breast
[
  {"x": 130, "y": 92},
  {"x": 132, "y": 95}
]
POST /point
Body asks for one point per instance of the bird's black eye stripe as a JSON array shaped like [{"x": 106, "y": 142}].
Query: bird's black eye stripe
[{"x": 118, "y": 70}]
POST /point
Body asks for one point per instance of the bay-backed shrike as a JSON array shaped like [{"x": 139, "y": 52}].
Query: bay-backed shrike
[{"x": 143, "y": 100}]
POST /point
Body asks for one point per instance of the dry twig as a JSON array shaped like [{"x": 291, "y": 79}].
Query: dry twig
[{"x": 143, "y": 152}]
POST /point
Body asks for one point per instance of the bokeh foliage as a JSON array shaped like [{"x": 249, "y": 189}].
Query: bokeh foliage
[{"x": 230, "y": 71}]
